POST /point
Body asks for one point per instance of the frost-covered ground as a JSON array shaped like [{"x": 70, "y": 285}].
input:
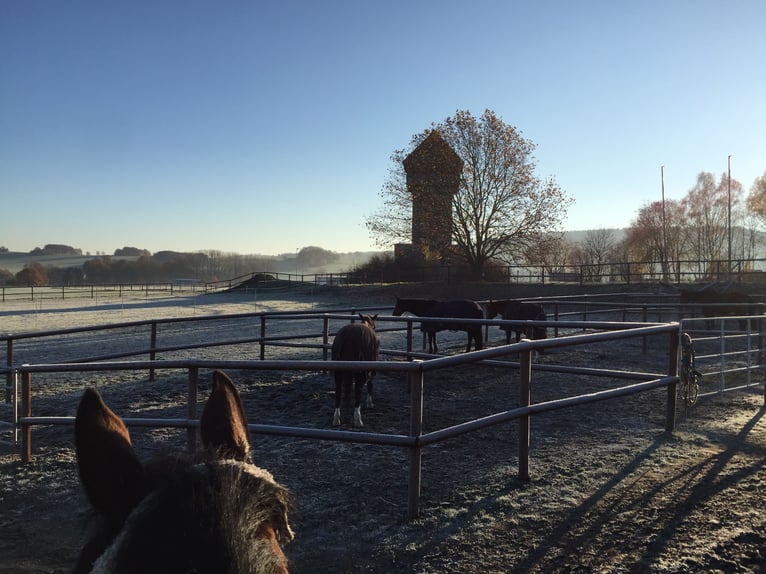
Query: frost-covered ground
[{"x": 609, "y": 491}]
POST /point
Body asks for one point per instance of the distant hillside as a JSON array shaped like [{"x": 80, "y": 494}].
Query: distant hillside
[
  {"x": 288, "y": 263},
  {"x": 578, "y": 236},
  {"x": 14, "y": 261}
]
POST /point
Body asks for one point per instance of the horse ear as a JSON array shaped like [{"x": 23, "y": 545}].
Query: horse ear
[
  {"x": 223, "y": 425},
  {"x": 110, "y": 472}
]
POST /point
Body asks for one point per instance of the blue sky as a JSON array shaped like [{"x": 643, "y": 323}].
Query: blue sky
[{"x": 264, "y": 127}]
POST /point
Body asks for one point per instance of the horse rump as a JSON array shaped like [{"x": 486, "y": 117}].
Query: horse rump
[
  {"x": 719, "y": 303},
  {"x": 513, "y": 310},
  {"x": 355, "y": 342},
  {"x": 210, "y": 512},
  {"x": 457, "y": 309}
]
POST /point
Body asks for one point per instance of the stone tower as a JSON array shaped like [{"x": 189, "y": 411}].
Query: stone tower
[{"x": 433, "y": 176}]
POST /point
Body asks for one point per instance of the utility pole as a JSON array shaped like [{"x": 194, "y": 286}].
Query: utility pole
[
  {"x": 729, "y": 218},
  {"x": 665, "y": 269}
]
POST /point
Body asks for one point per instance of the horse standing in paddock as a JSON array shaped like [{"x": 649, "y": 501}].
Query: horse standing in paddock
[
  {"x": 212, "y": 512},
  {"x": 463, "y": 309},
  {"x": 355, "y": 342},
  {"x": 512, "y": 310},
  {"x": 710, "y": 301}
]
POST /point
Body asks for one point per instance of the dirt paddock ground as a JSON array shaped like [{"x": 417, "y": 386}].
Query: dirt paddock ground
[{"x": 609, "y": 491}]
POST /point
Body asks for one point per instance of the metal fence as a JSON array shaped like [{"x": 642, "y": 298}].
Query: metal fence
[
  {"x": 416, "y": 365},
  {"x": 415, "y": 369},
  {"x": 618, "y": 273},
  {"x": 119, "y": 290}
]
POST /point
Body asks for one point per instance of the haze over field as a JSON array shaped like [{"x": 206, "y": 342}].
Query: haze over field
[{"x": 262, "y": 128}]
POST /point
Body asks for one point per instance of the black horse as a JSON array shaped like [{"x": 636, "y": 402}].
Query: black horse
[
  {"x": 463, "y": 309},
  {"x": 355, "y": 342},
  {"x": 513, "y": 310},
  {"x": 213, "y": 512}
]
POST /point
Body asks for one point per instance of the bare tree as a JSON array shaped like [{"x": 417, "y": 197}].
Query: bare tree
[
  {"x": 707, "y": 213},
  {"x": 501, "y": 207},
  {"x": 594, "y": 250},
  {"x": 553, "y": 253},
  {"x": 756, "y": 199},
  {"x": 659, "y": 234}
]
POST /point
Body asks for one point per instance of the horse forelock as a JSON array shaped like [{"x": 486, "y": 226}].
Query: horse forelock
[{"x": 223, "y": 516}]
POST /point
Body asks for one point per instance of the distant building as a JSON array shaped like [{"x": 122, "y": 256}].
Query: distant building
[{"x": 433, "y": 177}]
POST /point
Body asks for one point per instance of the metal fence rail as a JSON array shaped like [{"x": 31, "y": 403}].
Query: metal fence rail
[
  {"x": 417, "y": 367},
  {"x": 728, "y": 356},
  {"x": 416, "y": 372}
]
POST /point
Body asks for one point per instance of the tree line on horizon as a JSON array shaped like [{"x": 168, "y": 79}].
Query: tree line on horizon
[
  {"x": 139, "y": 266},
  {"x": 714, "y": 223}
]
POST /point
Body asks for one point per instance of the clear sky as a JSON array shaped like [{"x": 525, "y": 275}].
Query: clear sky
[{"x": 264, "y": 127}]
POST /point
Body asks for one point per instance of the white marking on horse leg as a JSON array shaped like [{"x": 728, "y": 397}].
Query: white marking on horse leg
[
  {"x": 369, "y": 401},
  {"x": 336, "y": 417},
  {"x": 358, "y": 417}
]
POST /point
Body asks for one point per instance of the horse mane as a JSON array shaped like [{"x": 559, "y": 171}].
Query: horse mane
[{"x": 211, "y": 511}]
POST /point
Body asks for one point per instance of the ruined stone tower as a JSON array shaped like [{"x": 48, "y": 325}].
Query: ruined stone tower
[{"x": 433, "y": 176}]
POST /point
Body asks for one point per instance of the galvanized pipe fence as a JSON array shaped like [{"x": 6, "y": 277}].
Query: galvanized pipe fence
[
  {"x": 416, "y": 366},
  {"x": 415, "y": 370},
  {"x": 730, "y": 357}
]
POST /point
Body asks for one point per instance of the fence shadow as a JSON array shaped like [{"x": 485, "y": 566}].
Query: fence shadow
[{"x": 675, "y": 491}]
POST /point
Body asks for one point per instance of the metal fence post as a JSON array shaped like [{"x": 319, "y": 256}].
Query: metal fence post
[
  {"x": 9, "y": 375},
  {"x": 762, "y": 350},
  {"x": 153, "y": 346},
  {"x": 26, "y": 411},
  {"x": 644, "y": 318},
  {"x": 325, "y": 337},
  {"x": 670, "y": 413},
  {"x": 525, "y": 399},
  {"x": 191, "y": 432},
  {"x": 416, "y": 451},
  {"x": 263, "y": 336}
]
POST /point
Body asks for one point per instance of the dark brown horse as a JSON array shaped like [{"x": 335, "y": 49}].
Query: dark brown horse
[
  {"x": 462, "y": 309},
  {"x": 720, "y": 303},
  {"x": 355, "y": 342},
  {"x": 513, "y": 310},
  {"x": 213, "y": 512}
]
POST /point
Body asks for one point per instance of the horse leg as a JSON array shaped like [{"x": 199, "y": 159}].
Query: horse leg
[
  {"x": 433, "y": 349},
  {"x": 539, "y": 334},
  {"x": 338, "y": 391},
  {"x": 359, "y": 379},
  {"x": 478, "y": 341},
  {"x": 369, "y": 390},
  {"x": 472, "y": 337}
]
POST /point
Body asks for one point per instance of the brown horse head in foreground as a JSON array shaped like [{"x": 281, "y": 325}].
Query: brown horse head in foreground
[{"x": 215, "y": 512}]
